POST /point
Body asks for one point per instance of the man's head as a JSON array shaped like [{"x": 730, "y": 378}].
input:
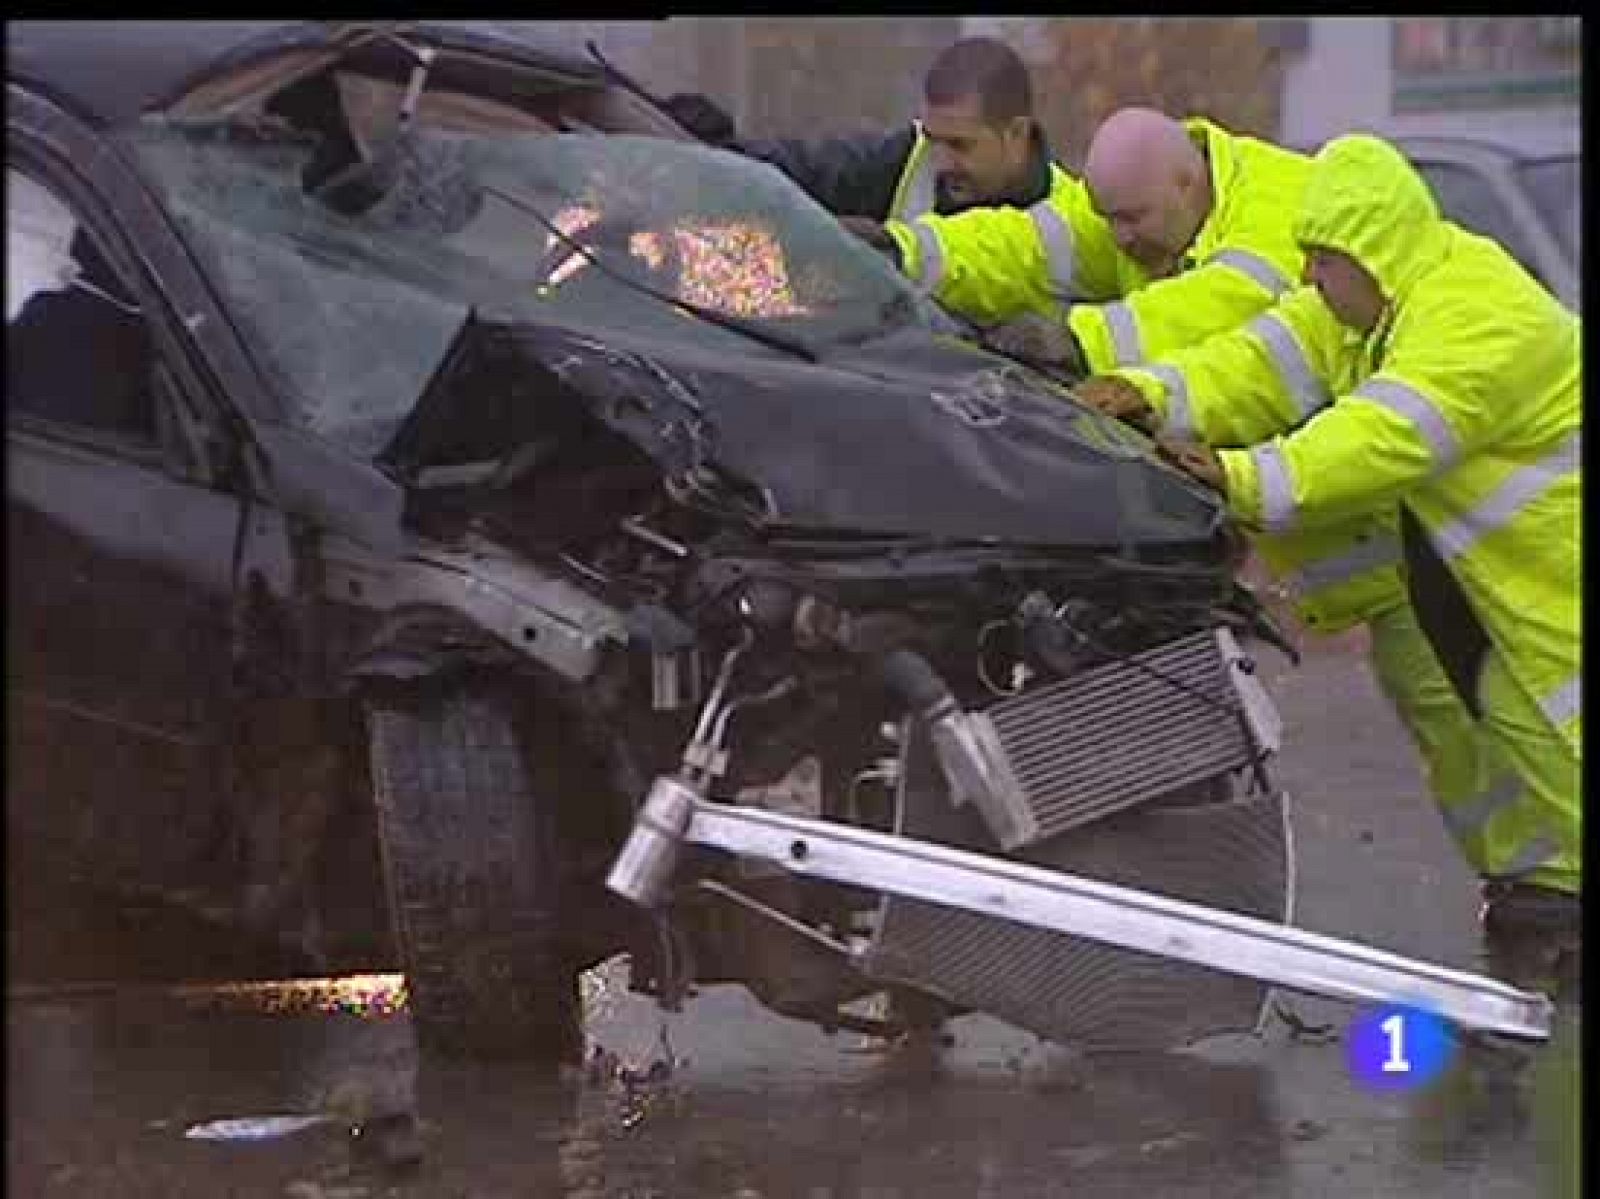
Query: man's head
[
  {"x": 1368, "y": 225},
  {"x": 1150, "y": 181},
  {"x": 977, "y": 110},
  {"x": 1347, "y": 287}
]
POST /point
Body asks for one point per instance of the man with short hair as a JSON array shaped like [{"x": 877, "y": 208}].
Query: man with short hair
[{"x": 977, "y": 143}]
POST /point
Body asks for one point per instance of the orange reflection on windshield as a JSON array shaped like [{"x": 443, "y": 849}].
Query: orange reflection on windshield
[{"x": 736, "y": 269}]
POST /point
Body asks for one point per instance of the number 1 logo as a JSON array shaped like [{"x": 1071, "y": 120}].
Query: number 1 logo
[
  {"x": 1395, "y": 1029},
  {"x": 1395, "y": 1048}
]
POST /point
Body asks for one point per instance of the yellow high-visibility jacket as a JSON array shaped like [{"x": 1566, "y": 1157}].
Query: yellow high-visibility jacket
[
  {"x": 1471, "y": 414},
  {"x": 916, "y": 192},
  {"x": 1272, "y": 375},
  {"x": 1464, "y": 406},
  {"x": 1059, "y": 258}
]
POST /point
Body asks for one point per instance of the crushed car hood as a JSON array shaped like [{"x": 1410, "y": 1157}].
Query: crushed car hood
[{"x": 912, "y": 435}]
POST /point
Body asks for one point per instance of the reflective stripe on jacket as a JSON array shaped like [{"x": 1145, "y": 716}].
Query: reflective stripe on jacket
[
  {"x": 1266, "y": 378},
  {"x": 994, "y": 265},
  {"x": 917, "y": 191}
]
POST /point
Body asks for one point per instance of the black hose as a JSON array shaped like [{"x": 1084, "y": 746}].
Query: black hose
[{"x": 908, "y": 675}]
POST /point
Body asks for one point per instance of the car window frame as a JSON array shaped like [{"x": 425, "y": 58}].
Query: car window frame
[
  {"x": 1552, "y": 267},
  {"x": 198, "y": 429},
  {"x": 156, "y": 449}
]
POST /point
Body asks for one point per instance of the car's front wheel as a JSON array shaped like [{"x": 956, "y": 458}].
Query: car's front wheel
[{"x": 467, "y": 829}]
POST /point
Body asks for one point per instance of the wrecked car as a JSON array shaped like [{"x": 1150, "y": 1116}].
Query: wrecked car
[{"x": 426, "y": 468}]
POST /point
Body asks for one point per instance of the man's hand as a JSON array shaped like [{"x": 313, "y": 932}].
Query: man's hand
[
  {"x": 1038, "y": 339},
  {"x": 873, "y": 233},
  {"x": 1119, "y": 398},
  {"x": 1198, "y": 461}
]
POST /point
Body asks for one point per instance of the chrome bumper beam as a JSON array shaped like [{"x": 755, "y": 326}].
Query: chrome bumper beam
[{"x": 1276, "y": 954}]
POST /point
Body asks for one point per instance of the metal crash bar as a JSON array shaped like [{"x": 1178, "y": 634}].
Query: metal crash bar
[{"x": 674, "y": 813}]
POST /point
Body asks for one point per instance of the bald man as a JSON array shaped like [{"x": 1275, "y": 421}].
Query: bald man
[
  {"x": 1150, "y": 180},
  {"x": 1186, "y": 233}
]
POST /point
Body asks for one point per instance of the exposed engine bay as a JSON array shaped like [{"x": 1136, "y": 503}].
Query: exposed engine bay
[
  {"x": 726, "y": 511},
  {"x": 1076, "y": 708},
  {"x": 1093, "y": 713}
]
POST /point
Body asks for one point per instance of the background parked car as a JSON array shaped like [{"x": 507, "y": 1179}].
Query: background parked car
[{"x": 1530, "y": 202}]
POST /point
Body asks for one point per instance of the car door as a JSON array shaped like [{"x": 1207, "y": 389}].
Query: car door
[{"x": 121, "y": 545}]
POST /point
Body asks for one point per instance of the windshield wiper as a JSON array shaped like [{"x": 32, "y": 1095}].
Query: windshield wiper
[{"x": 767, "y": 337}]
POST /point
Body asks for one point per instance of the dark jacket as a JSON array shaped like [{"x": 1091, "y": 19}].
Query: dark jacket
[{"x": 857, "y": 175}]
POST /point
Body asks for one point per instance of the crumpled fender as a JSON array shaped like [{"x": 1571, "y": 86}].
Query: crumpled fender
[{"x": 424, "y": 644}]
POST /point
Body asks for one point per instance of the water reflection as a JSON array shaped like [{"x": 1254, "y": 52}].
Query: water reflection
[
  {"x": 365, "y": 996},
  {"x": 729, "y": 1103},
  {"x": 1497, "y": 1100},
  {"x": 723, "y": 1100}
]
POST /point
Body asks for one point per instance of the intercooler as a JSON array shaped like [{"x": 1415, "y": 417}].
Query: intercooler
[{"x": 1133, "y": 773}]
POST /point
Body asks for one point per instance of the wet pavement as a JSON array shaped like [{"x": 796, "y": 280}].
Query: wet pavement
[{"x": 726, "y": 1100}]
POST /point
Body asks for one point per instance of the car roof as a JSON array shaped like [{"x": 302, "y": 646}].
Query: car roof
[{"x": 113, "y": 71}]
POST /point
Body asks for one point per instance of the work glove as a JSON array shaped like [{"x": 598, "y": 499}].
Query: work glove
[
  {"x": 1119, "y": 398},
  {"x": 1037, "y": 339},
  {"x": 1195, "y": 460}
]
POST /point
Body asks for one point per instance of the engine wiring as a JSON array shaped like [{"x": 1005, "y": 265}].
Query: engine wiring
[
  {"x": 884, "y": 770},
  {"x": 1131, "y": 659}
]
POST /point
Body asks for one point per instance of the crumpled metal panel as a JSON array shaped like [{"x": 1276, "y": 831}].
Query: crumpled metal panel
[
  {"x": 1026, "y": 468},
  {"x": 1235, "y": 855}
]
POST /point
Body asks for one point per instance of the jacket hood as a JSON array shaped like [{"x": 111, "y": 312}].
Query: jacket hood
[{"x": 1365, "y": 200}]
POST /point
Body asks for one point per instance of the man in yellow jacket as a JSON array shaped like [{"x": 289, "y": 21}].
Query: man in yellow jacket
[
  {"x": 1192, "y": 229},
  {"x": 977, "y": 142},
  {"x": 1176, "y": 231},
  {"x": 1449, "y": 383}
]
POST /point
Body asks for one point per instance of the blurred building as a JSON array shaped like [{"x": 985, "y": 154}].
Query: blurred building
[
  {"x": 1299, "y": 79},
  {"x": 1515, "y": 79},
  {"x": 780, "y": 76},
  {"x": 1227, "y": 69}
]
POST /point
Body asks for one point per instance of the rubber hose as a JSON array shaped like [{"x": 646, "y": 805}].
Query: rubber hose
[{"x": 909, "y": 676}]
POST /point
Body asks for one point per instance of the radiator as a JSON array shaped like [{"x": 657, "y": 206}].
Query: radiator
[
  {"x": 1119, "y": 735},
  {"x": 1116, "y": 796}
]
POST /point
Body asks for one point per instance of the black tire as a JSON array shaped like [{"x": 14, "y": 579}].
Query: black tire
[{"x": 470, "y": 863}]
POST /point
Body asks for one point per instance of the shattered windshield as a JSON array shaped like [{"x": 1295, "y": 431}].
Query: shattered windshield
[{"x": 351, "y": 314}]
